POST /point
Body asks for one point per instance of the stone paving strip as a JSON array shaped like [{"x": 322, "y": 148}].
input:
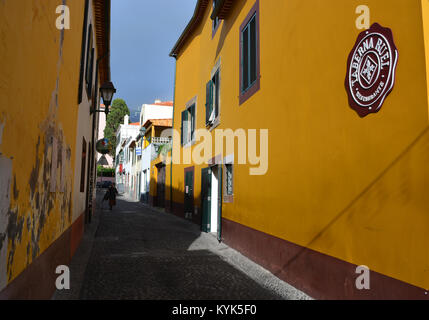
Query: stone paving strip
[{"x": 140, "y": 252}]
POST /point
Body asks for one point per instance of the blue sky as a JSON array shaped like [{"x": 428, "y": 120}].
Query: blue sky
[{"x": 143, "y": 32}]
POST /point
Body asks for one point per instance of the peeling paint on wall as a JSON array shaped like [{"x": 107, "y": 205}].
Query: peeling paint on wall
[
  {"x": 43, "y": 187},
  {"x": 32, "y": 216},
  {"x": 37, "y": 174}
]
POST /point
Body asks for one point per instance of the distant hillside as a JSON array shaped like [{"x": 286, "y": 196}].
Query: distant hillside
[{"x": 135, "y": 114}]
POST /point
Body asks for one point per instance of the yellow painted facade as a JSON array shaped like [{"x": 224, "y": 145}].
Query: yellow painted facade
[
  {"x": 349, "y": 187},
  {"x": 38, "y": 109},
  {"x": 153, "y": 192}
]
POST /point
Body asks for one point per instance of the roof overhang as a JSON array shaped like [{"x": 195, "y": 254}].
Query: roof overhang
[
  {"x": 195, "y": 20},
  {"x": 102, "y": 34},
  {"x": 222, "y": 9},
  {"x": 158, "y": 123}
]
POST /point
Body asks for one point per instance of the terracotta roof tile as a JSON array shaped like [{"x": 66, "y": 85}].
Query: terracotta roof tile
[
  {"x": 164, "y": 103},
  {"x": 159, "y": 122}
]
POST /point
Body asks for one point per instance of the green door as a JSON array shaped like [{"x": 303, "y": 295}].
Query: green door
[
  {"x": 219, "y": 205},
  {"x": 206, "y": 184}
]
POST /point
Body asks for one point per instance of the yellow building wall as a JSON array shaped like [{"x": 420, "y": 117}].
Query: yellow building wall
[
  {"x": 38, "y": 100},
  {"x": 154, "y": 178},
  {"x": 353, "y": 188}
]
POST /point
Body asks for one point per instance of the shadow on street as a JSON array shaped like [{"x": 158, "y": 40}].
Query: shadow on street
[{"x": 140, "y": 253}]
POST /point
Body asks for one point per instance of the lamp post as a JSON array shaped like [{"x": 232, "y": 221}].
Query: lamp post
[
  {"x": 107, "y": 91},
  {"x": 142, "y": 131}
]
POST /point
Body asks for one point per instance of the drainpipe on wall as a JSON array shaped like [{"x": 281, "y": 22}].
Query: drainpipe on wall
[{"x": 172, "y": 142}]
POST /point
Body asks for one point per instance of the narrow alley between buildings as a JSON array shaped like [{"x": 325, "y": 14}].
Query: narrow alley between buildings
[{"x": 137, "y": 252}]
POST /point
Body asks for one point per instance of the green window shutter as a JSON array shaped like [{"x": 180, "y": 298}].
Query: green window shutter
[
  {"x": 219, "y": 206},
  {"x": 211, "y": 96},
  {"x": 182, "y": 127},
  {"x": 209, "y": 100},
  {"x": 185, "y": 126},
  {"x": 216, "y": 93},
  {"x": 252, "y": 51},
  {"x": 245, "y": 59},
  {"x": 192, "y": 110},
  {"x": 206, "y": 182}
]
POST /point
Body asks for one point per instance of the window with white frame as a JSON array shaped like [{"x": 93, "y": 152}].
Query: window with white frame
[
  {"x": 228, "y": 179},
  {"x": 188, "y": 125},
  {"x": 213, "y": 98}
]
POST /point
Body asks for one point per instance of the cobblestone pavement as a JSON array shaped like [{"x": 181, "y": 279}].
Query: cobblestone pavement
[{"x": 137, "y": 252}]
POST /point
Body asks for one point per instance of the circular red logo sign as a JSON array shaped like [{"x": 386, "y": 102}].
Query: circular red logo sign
[{"x": 371, "y": 69}]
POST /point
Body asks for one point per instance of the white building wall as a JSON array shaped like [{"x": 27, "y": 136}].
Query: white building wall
[
  {"x": 125, "y": 132},
  {"x": 84, "y": 130},
  {"x": 151, "y": 111},
  {"x": 145, "y": 165}
]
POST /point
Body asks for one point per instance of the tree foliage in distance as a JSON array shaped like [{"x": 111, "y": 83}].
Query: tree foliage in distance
[
  {"x": 105, "y": 172},
  {"x": 118, "y": 110}
]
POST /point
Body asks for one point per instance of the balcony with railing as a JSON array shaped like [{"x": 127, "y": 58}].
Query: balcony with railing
[
  {"x": 154, "y": 144},
  {"x": 160, "y": 140}
]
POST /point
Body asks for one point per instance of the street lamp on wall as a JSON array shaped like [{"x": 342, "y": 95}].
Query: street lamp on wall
[{"x": 107, "y": 91}]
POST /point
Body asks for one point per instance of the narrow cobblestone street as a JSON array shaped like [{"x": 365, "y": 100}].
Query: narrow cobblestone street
[{"x": 136, "y": 252}]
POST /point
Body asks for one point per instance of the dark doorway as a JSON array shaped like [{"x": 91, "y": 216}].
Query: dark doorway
[
  {"x": 206, "y": 184},
  {"x": 160, "y": 186}
]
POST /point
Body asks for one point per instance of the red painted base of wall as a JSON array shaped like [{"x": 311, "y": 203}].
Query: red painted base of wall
[
  {"x": 37, "y": 281},
  {"x": 76, "y": 234},
  {"x": 179, "y": 210},
  {"x": 319, "y": 275}
]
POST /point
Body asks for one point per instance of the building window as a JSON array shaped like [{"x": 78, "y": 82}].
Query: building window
[
  {"x": 213, "y": 100},
  {"x": 249, "y": 55},
  {"x": 228, "y": 168},
  {"x": 188, "y": 125},
  {"x": 216, "y": 20},
  {"x": 82, "y": 167},
  {"x": 89, "y": 63},
  {"x": 228, "y": 179},
  {"x": 82, "y": 55}
]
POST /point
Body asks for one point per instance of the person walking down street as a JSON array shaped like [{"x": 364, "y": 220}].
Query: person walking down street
[{"x": 111, "y": 194}]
